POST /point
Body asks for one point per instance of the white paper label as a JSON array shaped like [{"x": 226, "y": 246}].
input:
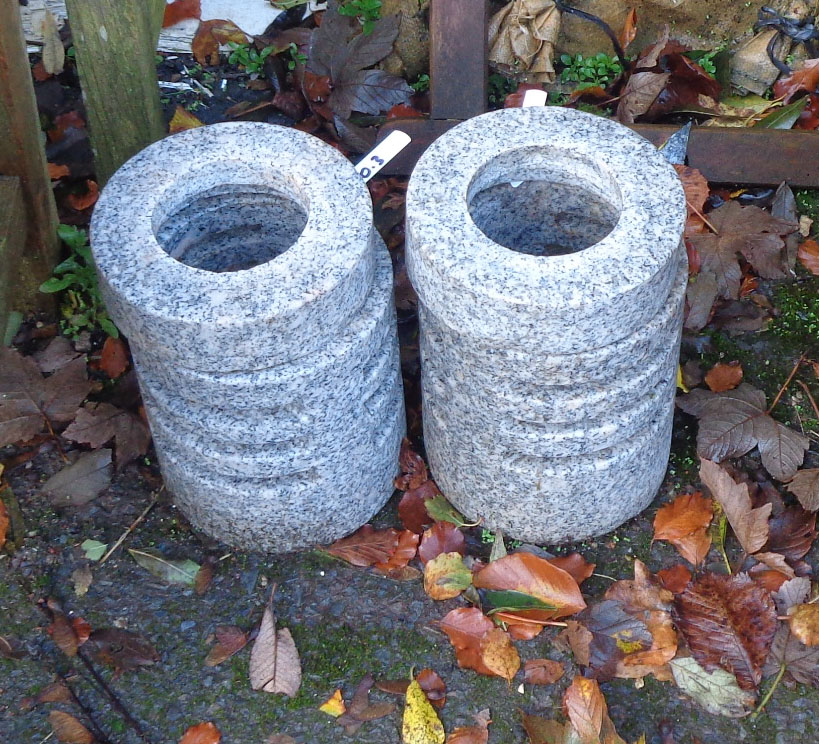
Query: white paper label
[
  {"x": 381, "y": 154},
  {"x": 532, "y": 98}
]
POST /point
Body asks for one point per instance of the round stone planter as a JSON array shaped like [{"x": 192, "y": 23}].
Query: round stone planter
[
  {"x": 551, "y": 313},
  {"x": 242, "y": 263}
]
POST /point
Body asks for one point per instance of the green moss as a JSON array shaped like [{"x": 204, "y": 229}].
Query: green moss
[
  {"x": 807, "y": 202},
  {"x": 798, "y": 321}
]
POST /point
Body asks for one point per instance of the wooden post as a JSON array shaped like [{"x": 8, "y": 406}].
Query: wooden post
[
  {"x": 115, "y": 42},
  {"x": 28, "y": 216}
]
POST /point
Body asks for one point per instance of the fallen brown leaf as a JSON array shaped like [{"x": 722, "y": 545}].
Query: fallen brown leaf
[
  {"x": 442, "y": 537},
  {"x": 180, "y": 10},
  {"x": 404, "y": 552},
  {"x": 114, "y": 357},
  {"x": 542, "y": 671},
  {"x": 805, "y": 78},
  {"x": 366, "y": 546},
  {"x": 81, "y": 202},
  {"x": 535, "y": 577},
  {"x": 804, "y": 622},
  {"x": 479, "y": 645},
  {"x": 722, "y": 377},
  {"x": 229, "y": 640},
  {"x": 749, "y": 525},
  {"x": 575, "y": 565},
  {"x": 4, "y": 523},
  {"x": 98, "y": 423},
  {"x": 413, "y": 468},
  {"x": 55, "y": 692},
  {"x": 808, "y": 254},
  {"x": 122, "y": 649},
  {"x": 478, "y": 734},
  {"x": 684, "y": 523},
  {"x": 675, "y": 579},
  {"x": 361, "y": 709},
  {"x": 791, "y": 532},
  {"x": 433, "y": 686},
  {"x": 68, "y": 729},
  {"x": 201, "y": 733},
  {"x": 412, "y": 508},
  {"x": 805, "y": 486},
  {"x": 728, "y": 622},
  {"x": 210, "y": 35},
  {"x": 274, "y": 661}
]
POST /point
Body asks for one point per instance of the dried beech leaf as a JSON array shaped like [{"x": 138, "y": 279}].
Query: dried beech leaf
[
  {"x": 716, "y": 691},
  {"x": 366, "y": 546},
  {"x": 98, "y": 423},
  {"x": 542, "y": 671},
  {"x": 274, "y": 660},
  {"x": 800, "y": 661},
  {"x": 114, "y": 357},
  {"x": 68, "y": 729},
  {"x": 433, "y": 686},
  {"x": 808, "y": 254},
  {"x": 404, "y": 552},
  {"x": 442, "y": 537},
  {"x": 575, "y": 565},
  {"x": 805, "y": 78},
  {"x": 122, "y": 649},
  {"x": 791, "y": 593},
  {"x": 749, "y": 525},
  {"x": 640, "y": 92},
  {"x": 81, "y": 481},
  {"x": 722, "y": 377},
  {"x": 675, "y": 579},
  {"x": 229, "y": 640},
  {"x": 728, "y": 622},
  {"x": 792, "y": 532}
]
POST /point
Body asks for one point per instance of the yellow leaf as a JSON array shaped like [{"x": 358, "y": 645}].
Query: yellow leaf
[
  {"x": 421, "y": 723},
  {"x": 334, "y": 706},
  {"x": 182, "y": 120},
  {"x": 499, "y": 655},
  {"x": 446, "y": 576},
  {"x": 680, "y": 383}
]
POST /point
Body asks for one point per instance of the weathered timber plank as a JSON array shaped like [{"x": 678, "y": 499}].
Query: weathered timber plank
[
  {"x": 115, "y": 42},
  {"x": 13, "y": 264},
  {"x": 457, "y": 58},
  {"x": 22, "y": 157}
]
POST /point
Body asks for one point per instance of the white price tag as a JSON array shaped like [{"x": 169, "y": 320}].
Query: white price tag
[
  {"x": 381, "y": 154},
  {"x": 532, "y": 98}
]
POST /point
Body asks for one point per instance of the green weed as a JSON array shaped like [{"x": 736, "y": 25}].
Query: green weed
[
  {"x": 82, "y": 308},
  {"x": 589, "y": 72},
  {"x": 367, "y": 12},
  {"x": 250, "y": 59}
]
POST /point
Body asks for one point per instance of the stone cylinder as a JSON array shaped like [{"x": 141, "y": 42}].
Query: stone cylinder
[
  {"x": 545, "y": 245},
  {"x": 241, "y": 262}
]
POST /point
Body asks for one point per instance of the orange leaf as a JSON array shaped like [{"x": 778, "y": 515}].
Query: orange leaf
[
  {"x": 210, "y": 35},
  {"x": 722, "y": 377},
  {"x": 4, "y": 524},
  {"x": 82, "y": 629},
  {"x": 684, "y": 523},
  {"x": 403, "y": 111},
  {"x": 433, "y": 686},
  {"x": 201, "y": 733},
  {"x": 229, "y": 640},
  {"x": 675, "y": 579},
  {"x": 86, "y": 200},
  {"x": 68, "y": 729},
  {"x": 366, "y": 546},
  {"x": 472, "y": 734},
  {"x": 334, "y": 705},
  {"x": 537, "y": 577},
  {"x": 518, "y": 630},
  {"x": 442, "y": 537},
  {"x": 629, "y": 28},
  {"x": 412, "y": 509},
  {"x": 114, "y": 357},
  {"x": 404, "y": 553},
  {"x": 585, "y": 707},
  {"x": 542, "y": 671},
  {"x": 182, "y": 120},
  {"x": 413, "y": 468},
  {"x": 56, "y": 172},
  {"x": 181, "y": 10},
  {"x": 809, "y": 256},
  {"x": 805, "y": 78},
  {"x": 63, "y": 634},
  {"x": 575, "y": 565},
  {"x": 479, "y": 645}
]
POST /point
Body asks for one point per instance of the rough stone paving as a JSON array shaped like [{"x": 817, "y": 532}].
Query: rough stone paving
[
  {"x": 549, "y": 340},
  {"x": 241, "y": 262}
]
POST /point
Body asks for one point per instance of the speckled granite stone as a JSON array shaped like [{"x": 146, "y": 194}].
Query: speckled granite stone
[
  {"x": 241, "y": 262},
  {"x": 551, "y": 316}
]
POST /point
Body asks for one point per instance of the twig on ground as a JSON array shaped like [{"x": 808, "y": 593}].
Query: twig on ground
[
  {"x": 133, "y": 526},
  {"x": 787, "y": 382}
]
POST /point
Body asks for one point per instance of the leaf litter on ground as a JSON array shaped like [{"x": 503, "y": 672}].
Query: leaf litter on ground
[{"x": 274, "y": 660}]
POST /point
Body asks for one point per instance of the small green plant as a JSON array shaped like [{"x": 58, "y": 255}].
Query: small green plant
[
  {"x": 499, "y": 88},
  {"x": 599, "y": 70},
  {"x": 82, "y": 308},
  {"x": 367, "y": 12},
  {"x": 295, "y": 57},
  {"x": 706, "y": 59},
  {"x": 248, "y": 57},
  {"x": 421, "y": 85}
]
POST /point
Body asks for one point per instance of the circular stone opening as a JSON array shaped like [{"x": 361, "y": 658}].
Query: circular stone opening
[
  {"x": 544, "y": 203},
  {"x": 232, "y": 227}
]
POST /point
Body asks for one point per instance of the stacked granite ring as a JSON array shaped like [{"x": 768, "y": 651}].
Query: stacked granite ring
[
  {"x": 545, "y": 245},
  {"x": 242, "y": 263}
]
